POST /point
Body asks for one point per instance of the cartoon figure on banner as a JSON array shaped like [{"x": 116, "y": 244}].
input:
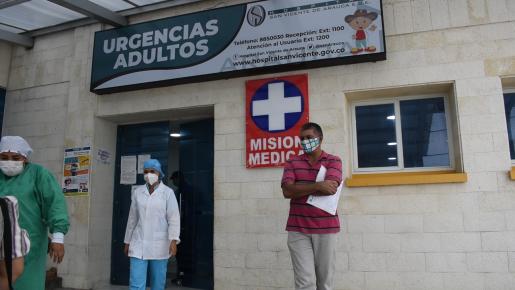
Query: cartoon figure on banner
[{"x": 360, "y": 21}]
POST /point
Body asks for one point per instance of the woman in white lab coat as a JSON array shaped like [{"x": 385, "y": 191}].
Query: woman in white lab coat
[{"x": 153, "y": 229}]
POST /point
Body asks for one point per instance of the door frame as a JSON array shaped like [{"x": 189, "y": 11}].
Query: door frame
[{"x": 102, "y": 179}]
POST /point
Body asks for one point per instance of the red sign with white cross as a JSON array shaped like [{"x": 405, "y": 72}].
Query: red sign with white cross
[{"x": 276, "y": 109}]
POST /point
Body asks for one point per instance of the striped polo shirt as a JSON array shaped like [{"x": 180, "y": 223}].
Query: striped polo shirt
[
  {"x": 304, "y": 217},
  {"x": 20, "y": 243}
]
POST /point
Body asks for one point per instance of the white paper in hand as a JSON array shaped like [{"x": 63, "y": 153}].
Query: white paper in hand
[
  {"x": 327, "y": 203},
  {"x": 321, "y": 174}
]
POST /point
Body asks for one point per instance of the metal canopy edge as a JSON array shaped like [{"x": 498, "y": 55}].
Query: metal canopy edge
[
  {"x": 9, "y": 3},
  {"x": 126, "y": 13},
  {"x": 93, "y": 10},
  {"x": 16, "y": 38}
]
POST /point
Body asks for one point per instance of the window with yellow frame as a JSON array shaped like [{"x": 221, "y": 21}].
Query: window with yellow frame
[{"x": 403, "y": 140}]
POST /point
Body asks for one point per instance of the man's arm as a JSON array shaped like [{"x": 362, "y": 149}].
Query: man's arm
[
  {"x": 17, "y": 271},
  {"x": 296, "y": 190},
  {"x": 334, "y": 169},
  {"x": 291, "y": 189}
]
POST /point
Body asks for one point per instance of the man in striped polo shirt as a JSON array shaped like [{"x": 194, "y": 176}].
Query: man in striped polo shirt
[
  {"x": 312, "y": 232},
  {"x": 19, "y": 243}
]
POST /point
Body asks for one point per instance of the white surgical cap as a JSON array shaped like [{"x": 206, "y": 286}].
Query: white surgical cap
[{"x": 15, "y": 144}]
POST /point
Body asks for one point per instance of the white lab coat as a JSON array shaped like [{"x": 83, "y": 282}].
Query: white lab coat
[{"x": 154, "y": 221}]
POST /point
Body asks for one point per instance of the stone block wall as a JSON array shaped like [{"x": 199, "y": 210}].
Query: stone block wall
[{"x": 446, "y": 236}]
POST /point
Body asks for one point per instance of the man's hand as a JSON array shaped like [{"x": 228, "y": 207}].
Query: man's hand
[
  {"x": 173, "y": 248},
  {"x": 56, "y": 252},
  {"x": 126, "y": 249},
  {"x": 327, "y": 187}
]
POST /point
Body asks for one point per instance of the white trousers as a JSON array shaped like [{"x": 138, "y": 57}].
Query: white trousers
[{"x": 313, "y": 257}]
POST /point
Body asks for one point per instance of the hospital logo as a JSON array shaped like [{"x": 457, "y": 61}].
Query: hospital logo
[
  {"x": 276, "y": 106},
  {"x": 256, "y": 15}
]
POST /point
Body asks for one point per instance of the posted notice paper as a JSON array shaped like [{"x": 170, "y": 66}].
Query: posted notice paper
[
  {"x": 327, "y": 203},
  {"x": 128, "y": 170}
]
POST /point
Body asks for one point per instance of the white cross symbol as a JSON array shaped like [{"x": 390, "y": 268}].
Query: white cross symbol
[{"x": 276, "y": 106}]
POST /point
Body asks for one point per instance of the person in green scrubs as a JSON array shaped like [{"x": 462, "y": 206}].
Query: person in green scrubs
[{"x": 42, "y": 208}]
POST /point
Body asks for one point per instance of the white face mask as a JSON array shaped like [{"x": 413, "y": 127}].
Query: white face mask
[
  {"x": 151, "y": 178},
  {"x": 11, "y": 168}
]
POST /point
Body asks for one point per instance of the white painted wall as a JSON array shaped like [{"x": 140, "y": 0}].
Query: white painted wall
[
  {"x": 450, "y": 236},
  {"x": 101, "y": 208}
]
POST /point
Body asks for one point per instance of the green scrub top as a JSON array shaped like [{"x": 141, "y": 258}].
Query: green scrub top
[{"x": 42, "y": 208}]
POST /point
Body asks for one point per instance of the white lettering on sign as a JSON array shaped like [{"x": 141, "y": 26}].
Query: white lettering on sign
[
  {"x": 160, "y": 37},
  {"x": 276, "y": 107},
  {"x": 285, "y": 146},
  {"x": 268, "y": 158},
  {"x": 272, "y": 143},
  {"x": 167, "y": 37}
]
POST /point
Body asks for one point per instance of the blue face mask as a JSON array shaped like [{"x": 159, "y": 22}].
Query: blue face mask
[{"x": 310, "y": 145}]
